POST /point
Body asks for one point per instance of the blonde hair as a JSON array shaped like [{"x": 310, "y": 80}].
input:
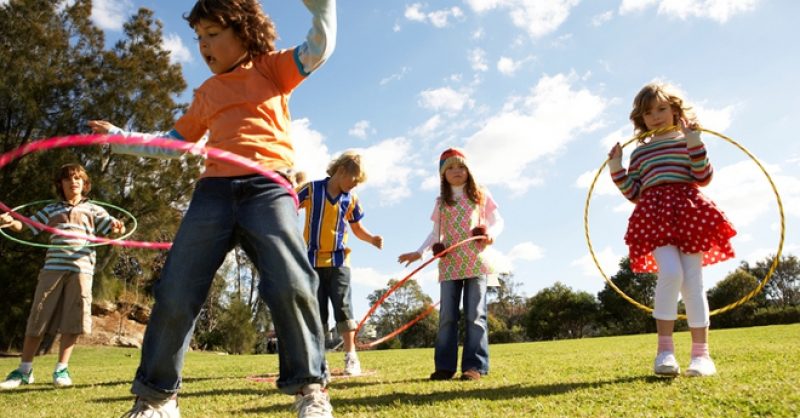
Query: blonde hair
[
  {"x": 67, "y": 171},
  {"x": 350, "y": 161},
  {"x": 657, "y": 91}
]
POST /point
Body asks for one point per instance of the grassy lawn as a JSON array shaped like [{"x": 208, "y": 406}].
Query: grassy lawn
[{"x": 759, "y": 375}]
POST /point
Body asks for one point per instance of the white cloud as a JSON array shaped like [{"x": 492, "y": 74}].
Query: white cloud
[
  {"x": 602, "y": 18},
  {"x": 360, "y": 129},
  {"x": 445, "y": 99},
  {"x": 110, "y": 14},
  {"x": 607, "y": 259},
  {"x": 311, "y": 153},
  {"x": 387, "y": 164},
  {"x": 437, "y": 18},
  {"x": 508, "y": 66},
  {"x": 477, "y": 60},
  {"x": 530, "y": 129},
  {"x": 527, "y": 251},
  {"x": 537, "y": 17},
  {"x": 504, "y": 263},
  {"x": 395, "y": 76},
  {"x": 179, "y": 53},
  {"x": 478, "y": 34},
  {"x": 604, "y": 186},
  {"x": 428, "y": 128},
  {"x": 370, "y": 277},
  {"x": 718, "y": 10}
]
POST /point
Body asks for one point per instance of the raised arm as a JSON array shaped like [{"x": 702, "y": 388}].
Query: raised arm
[{"x": 321, "y": 39}]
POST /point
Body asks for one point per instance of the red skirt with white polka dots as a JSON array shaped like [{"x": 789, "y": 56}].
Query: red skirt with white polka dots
[{"x": 677, "y": 214}]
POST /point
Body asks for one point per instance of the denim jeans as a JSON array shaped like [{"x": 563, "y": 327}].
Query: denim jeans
[
  {"x": 261, "y": 217},
  {"x": 334, "y": 285},
  {"x": 475, "y": 354}
]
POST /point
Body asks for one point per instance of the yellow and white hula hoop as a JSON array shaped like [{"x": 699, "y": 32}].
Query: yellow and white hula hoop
[{"x": 730, "y": 306}]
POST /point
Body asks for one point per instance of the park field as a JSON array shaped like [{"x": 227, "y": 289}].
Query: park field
[{"x": 759, "y": 376}]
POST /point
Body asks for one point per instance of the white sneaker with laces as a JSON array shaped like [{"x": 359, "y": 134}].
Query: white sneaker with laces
[
  {"x": 701, "y": 366},
  {"x": 146, "y": 408},
  {"x": 15, "y": 379},
  {"x": 313, "y": 402},
  {"x": 352, "y": 367},
  {"x": 666, "y": 365},
  {"x": 61, "y": 378}
]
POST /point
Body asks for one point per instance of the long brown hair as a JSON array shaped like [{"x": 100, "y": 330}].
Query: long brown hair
[
  {"x": 245, "y": 17},
  {"x": 471, "y": 189},
  {"x": 654, "y": 92}
]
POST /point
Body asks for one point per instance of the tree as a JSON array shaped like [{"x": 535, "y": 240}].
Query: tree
[
  {"x": 619, "y": 315},
  {"x": 783, "y": 288},
  {"x": 730, "y": 289},
  {"x": 506, "y": 311},
  {"x": 397, "y": 309},
  {"x": 559, "y": 312},
  {"x": 54, "y": 76}
]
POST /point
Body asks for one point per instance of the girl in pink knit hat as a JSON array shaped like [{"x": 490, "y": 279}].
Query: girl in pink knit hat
[{"x": 463, "y": 209}]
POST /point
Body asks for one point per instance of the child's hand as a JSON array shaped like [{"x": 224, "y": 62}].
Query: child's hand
[
  {"x": 117, "y": 227},
  {"x": 8, "y": 221},
  {"x": 692, "y": 133},
  {"x": 377, "y": 241},
  {"x": 409, "y": 258},
  {"x": 100, "y": 126},
  {"x": 615, "y": 157}
]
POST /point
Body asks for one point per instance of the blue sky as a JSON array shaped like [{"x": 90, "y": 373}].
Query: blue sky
[{"x": 536, "y": 91}]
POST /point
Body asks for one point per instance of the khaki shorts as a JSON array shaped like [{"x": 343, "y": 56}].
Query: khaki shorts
[{"x": 62, "y": 304}]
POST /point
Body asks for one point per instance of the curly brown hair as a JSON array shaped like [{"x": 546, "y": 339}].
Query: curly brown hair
[
  {"x": 245, "y": 17},
  {"x": 653, "y": 92}
]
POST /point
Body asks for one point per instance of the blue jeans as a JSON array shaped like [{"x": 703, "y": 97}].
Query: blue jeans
[
  {"x": 334, "y": 285},
  {"x": 261, "y": 217},
  {"x": 475, "y": 354}
]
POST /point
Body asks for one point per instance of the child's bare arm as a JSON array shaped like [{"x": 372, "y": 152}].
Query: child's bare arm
[{"x": 361, "y": 233}]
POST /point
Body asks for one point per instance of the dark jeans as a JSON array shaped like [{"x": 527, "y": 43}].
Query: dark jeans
[
  {"x": 261, "y": 217},
  {"x": 476, "y": 342},
  {"x": 334, "y": 284}
]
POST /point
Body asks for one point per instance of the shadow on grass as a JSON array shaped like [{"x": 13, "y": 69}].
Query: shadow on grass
[{"x": 458, "y": 391}]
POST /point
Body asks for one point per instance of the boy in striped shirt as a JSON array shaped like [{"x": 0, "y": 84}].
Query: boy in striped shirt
[
  {"x": 63, "y": 299},
  {"x": 328, "y": 204}
]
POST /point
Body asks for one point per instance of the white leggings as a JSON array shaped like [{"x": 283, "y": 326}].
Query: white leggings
[{"x": 680, "y": 272}]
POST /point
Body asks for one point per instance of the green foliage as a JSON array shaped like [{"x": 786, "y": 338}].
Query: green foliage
[
  {"x": 396, "y": 310},
  {"x": 55, "y": 75},
  {"x": 422, "y": 333},
  {"x": 731, "y": 289},
  {"x": 559, "y": 312},
  {"x": 618, "y": 316},
  {"x": 507, "y": 310},
  {"x": 783, "y": 287},
  {"x": 236, "y": 328}
]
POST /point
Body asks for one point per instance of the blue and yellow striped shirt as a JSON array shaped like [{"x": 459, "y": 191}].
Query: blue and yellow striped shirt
[{"x": 325, "y": 231}]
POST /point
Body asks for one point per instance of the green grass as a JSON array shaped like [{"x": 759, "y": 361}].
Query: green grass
[{"x": 759, "y": 375}]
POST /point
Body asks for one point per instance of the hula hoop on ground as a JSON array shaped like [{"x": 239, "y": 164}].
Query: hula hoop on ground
[
  {"x": 745, "y": 298},
  {"x": 56, "y": 231},
  {"x": 188, "y": 147},
  {"x": 397, "y": 286}
]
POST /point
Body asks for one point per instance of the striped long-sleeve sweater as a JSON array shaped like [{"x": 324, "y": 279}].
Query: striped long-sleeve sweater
[{"x": 663, "y": 161}]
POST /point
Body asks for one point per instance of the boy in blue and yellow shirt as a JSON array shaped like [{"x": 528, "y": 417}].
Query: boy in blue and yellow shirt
[{"x": 328, "y": 204}]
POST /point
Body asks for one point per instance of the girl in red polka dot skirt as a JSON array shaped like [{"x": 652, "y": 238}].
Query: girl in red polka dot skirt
[{"x": 674, "y": 230}]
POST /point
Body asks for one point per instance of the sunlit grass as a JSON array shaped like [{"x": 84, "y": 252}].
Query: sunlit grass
[{"x": 759, "y": 371}]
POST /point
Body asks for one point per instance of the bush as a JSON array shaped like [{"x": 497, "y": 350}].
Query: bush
[{"x": 236, "y": 329}]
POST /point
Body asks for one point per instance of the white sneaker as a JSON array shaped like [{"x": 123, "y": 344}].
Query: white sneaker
[
  {"x": 352, "y": 367},
  {"x": 701, "y": 366},
  {"x": 61, "y": 378},
  {"x": 145, "y": 408},
  {"x": 666, "y": 365},
  {"x": 313, "y": 402},
  {"x": 15, "y": 379}
]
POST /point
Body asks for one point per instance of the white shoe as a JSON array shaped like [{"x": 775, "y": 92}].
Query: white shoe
[
  {"x": 666, "y": 365},
  {"x": 15, "y": 379},
  {"x": 313, "y": 402},
  {"x": 701, "y": 366},
  {"x": 352, "y": 367},
  {"x": 145, "y": 408},
  {"x": 61, "y": 378}
]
